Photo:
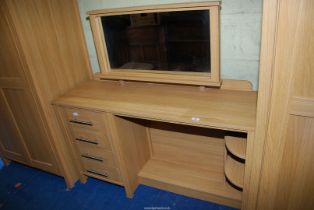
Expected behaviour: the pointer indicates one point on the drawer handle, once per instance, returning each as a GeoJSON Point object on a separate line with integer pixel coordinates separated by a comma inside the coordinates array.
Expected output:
{"type": "Point", "coordinates": [97, 173]}
{"type": "Point", "coordinates": [93, 158]}
{"type": "Point", "coordinates": [86, 140]}
{"type": "Point", "coordinates": [81, 122]}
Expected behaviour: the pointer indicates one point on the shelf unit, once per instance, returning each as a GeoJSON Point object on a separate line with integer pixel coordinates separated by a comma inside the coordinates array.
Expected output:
{"type": "Point", "coordinates": [236, 146]}
{"type": "Point", "coordinates": [234, 171]}
{"type": "Point", "coordinates": [189, 180]}
{"type": "Point", "coordinates": [234, 166]}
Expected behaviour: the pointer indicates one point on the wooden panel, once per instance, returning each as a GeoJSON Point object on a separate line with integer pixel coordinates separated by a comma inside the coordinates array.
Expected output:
{"type": "Point", "coordinates": [156, 8]}
{"type": "Point", "coordinates": [101, 169]}
{"type": "Point", "coordinates": [52, 41]}
{"type": "Point", "coordinates": [97, 138]}
{"type": "Point", "coordinates": [255, 149]}
{"type": "Point", "coordinates": [96, 153]}
{"type": "Point", "coordinates": [57, 46]}
{"type": "Point", "coordinates": [9, 58]}
{"type": "Point", "coordinates": [189, 180]}
{"type": "Point", "coordinates": [12, 145]}
{"type": "Point", "coordinates": [296, 184]}
{"type": "Point", "coordinates": [67, 148]}
{"type": "Point", "coordinates": [85, 119]}
{"type": "Point", "coordinates": [302, 106]}
{"type": "Point", "coordinates": [244, 85]}
{"type": "Point", "coordinates": [236, 146]}
{"type": "Point", "coordinates": [234, 171]}
{"type": "Point", "coordinates": [229, 110]}
{"type": "Point", "coordinates": [30, 125]}
{"type": "Point", "coordinates": [287, 176]}
{"type": "Point", "coordinates": [188, 145]}
{"type": "Point", "coordinates": [131, 143]}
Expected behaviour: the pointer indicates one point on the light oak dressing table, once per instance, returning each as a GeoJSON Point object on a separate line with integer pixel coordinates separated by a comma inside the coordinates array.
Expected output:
{"type": "Point", "coordinates": [182, 139]}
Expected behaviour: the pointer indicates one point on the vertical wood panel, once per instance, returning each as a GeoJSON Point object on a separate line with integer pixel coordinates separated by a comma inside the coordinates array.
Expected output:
{"type": "Point", "coordinates": [287, 176]}
{"type": "Point", "coordinates": [11, 143]}
{"type": "Point", "coordinates": [50, 40]}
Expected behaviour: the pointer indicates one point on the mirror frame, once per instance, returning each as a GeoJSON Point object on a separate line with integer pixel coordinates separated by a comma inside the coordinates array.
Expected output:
{"type": "Point", "coordinates": [176, 77]}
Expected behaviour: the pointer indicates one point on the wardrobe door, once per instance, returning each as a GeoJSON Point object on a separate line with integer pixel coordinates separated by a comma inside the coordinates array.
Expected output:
{"type": "Point", "coordinates": [11, 142]}
{"type": "Point", "coordinates": [22, 122]}
{"type": "Point", "coordinates": [287, 176]}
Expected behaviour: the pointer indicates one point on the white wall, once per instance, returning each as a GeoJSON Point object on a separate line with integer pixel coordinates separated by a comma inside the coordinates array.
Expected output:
{"type": "Point", "coordinates": [240, 33]}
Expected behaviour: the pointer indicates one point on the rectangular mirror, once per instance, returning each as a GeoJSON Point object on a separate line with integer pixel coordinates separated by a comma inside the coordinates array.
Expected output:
{"type": "Point", "coordinates": [164, 41]}
{"type": "Point", "coordinates": [171, 43]}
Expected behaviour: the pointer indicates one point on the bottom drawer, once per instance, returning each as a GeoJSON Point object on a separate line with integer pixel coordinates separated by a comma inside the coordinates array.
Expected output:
{"type": "Point", "coordinates": [100, 169]}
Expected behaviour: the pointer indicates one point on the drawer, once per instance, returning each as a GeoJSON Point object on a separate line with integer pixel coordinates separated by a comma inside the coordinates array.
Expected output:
{"type": "Point", "coordinates": [88, 137]}
{"type": "Point", "coordinates": [100, 169]}
{"type": "Point", "coordinates": [85, 118]}
{"type": "Point", "coordinates": [98, 154]}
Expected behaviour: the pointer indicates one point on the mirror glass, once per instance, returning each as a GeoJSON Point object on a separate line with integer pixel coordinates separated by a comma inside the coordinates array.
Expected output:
{"type": "Point", "coordinates": [166, 41]}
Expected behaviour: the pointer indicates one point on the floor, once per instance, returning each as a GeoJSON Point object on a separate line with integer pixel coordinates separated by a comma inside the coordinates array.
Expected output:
{"type": "Point", "coordinates": [22, 187]}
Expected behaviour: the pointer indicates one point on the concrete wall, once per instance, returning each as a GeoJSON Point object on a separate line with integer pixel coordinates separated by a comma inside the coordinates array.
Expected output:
{"type": "Point", "coordinates": [240, 33]}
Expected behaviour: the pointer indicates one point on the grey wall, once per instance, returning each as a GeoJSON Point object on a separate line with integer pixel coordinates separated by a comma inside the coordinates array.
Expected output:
{"type": "Point", "coordinates": [240, 33]}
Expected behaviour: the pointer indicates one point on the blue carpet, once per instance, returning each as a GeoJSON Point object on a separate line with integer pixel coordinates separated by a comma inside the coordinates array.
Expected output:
{"type": "Point", "coordinates": [44, 191]}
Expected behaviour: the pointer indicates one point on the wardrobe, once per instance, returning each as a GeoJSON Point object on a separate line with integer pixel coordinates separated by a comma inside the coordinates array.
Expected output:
{"type": "Point", "coordinates": [42, 55]}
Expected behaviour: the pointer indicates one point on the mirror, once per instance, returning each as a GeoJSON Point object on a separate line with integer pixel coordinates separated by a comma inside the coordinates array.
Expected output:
{"type": "Point", "coordinates": [162, 41]}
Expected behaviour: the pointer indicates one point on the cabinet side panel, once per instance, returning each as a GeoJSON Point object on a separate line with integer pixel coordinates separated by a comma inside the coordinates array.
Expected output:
{"type": "Point", "coordinates": [131, 143]}
{"type": "Point", "coordinates": [51, 40]}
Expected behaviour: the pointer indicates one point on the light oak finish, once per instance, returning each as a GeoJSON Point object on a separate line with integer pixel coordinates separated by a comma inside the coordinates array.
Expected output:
{"type": "Point", "coordinates": [256, 148]}
{"type": "Point", "coordinates": [154, 142]}
{"type": "Point", "coordinates": [302, 106]}
{"type": "Point", "coordinates": [287, 176]}
{"type": "Point", "coordinates": [231, 110]}
{"type": "Point", "coordinates": [189, 180]}
{"type": "Point", "coordinates": [89, 136]}
{"type": "Point", "coordinates": [130, 141]}
{"type": "Point", "coordinates": [200, 147]}
{"type": "Point", "coordinates": [12, 144]}
{"type": "Point", "coordinates": [43, 56]}
{"type": "Point", "coordinates": [85, 120]}
{"type": "Point", "coordinates": [206, 79]}
{"type": "Point", "coordinates": [234, 171]}
{"type": "Point", "coordinates": [155, 8]}
{"type": "Point", "coordinates": [93, 149]}
{"type": "Point", "coordinates": [244, 85]}
{"type": "Point", "coordinates": [23, 135]}
{"type": "Point", "coordinates": [101, 169]}
{"type": "Point", "coordinates": [236, 146]}
{"type": "Point", "coordinates": [88, 151]}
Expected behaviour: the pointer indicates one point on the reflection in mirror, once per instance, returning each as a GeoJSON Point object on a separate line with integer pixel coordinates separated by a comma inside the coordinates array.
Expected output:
{"type": "Point", "coordinates": [166, 41]}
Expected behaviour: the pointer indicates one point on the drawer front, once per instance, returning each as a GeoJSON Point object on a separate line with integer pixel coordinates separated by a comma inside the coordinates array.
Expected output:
{"type": "Point", "coordinates": [85, 118]}
{"type": "Point", "coordinates": [90, 137]}
{"type": "Point", "coordinates": [97, 154]}
{"type": "Point", "coordinates": [99, 168]}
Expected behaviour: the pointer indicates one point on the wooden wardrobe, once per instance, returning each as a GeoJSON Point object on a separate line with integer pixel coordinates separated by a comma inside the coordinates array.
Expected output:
{"type": "Point", "coordinates": [42, 55]}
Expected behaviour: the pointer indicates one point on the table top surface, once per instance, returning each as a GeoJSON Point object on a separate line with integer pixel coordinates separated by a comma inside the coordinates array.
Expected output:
{"type": "Point", "coordinates": [214, 108]}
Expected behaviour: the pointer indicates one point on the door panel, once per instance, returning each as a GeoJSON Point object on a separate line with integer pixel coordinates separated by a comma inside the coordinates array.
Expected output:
{"type": "Point", "coordinates": [10, 66]}
{"type": "Point", "coordinates": [23, 133]}
{"type": "Point", "coordinates": [29, 123]}
{"type": "Point", "coordinates": [295, 187]}
{"type": "Point", "coordinates": [287, 180]}
{"type": "Point", "coordinates": [11, 142]}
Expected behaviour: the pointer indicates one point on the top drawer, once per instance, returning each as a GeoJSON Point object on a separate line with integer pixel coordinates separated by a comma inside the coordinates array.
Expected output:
{"type": "Point", "coordinates": [85, 118]}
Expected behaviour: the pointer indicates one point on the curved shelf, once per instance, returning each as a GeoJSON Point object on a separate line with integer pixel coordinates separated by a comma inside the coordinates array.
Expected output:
{"type": "Point", "coordinates": [234, 171]}
{"type": "Point", "coordinates": [236, 146]}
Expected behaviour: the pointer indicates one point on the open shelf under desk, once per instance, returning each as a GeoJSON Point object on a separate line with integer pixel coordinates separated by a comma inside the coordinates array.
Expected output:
{"type": "Point", "coordinates": [190, 181]}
